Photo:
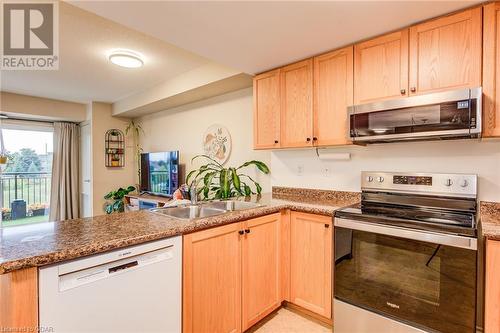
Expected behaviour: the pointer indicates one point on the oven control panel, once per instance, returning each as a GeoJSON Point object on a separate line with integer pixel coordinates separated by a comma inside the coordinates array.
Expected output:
{"type": "Point", "coordinates": [462, 185]}
{"type": "Point", "coordinates": [412, 180]}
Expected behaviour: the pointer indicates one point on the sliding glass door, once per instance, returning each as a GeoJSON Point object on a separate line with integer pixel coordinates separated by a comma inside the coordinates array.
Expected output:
{"type": "Point", "coordinates": [25, 182]}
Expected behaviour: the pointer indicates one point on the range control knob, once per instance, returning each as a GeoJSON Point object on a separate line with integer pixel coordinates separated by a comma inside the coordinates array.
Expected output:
{"type": "Point", "coordinates": [369, 179]}
{"type": "Point", "coordinates": [464, 183]}
{"type": "Point", "coordinates": [380, 179]}
{"type": "Point", "coordinates": [448, 182]}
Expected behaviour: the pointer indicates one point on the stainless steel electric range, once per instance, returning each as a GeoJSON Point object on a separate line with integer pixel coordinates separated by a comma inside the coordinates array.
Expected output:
{"type": "Point", "coordinates": [406, 256]}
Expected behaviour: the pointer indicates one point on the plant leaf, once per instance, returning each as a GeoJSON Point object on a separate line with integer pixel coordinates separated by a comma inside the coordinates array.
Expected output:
{"type": "Point", "coordinates": [236, 180]}
{"type": "Point", "coordinates": [108, 208]}
{"type": "Point", "coordinates": [208, 158]}
{"type": "Point", "coordinates": [248, 190]}
{"type": "Point", "coordinates": [207, 180]}
{"type": "Point", "coordinates": [259, 188]}
{"type": "Point", "coordinates": [260, 165]}
{"type": "Point", "coordinates": [189, 175]}
{"type": "Point", "coordinates": [224, 183]}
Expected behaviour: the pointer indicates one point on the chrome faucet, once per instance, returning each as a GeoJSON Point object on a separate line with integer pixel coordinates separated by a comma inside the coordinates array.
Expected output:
{"type": "Point", "coordinates": [193, 193]}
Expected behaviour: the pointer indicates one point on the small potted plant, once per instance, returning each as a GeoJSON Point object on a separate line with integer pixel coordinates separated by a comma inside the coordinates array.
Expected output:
{"type": "Point", "coordinates": [223, 183]}
{"type": "Point", "coordinates": [115, 161]}
{"type": "Point", "coordinates": [37, 209]}
{"type": "Point", "coordinates": [6, 213]}
{"type": "Point", "coordinates": [115, 200]}
{"type": "Point", "coordinates": [3, 158]}
{"type": "Point", "coordinates": [114, 135]}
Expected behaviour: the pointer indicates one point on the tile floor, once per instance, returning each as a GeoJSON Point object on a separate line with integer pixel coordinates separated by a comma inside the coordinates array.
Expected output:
{"type": "Point", "coordinates": [286, 321]}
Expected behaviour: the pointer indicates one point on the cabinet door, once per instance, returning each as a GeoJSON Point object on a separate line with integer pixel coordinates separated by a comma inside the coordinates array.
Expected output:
{"type": "Point", "coordinates": [212, 280]}
{"type": "Point", "coordinates": [261, 268]}
{"type": "Point", "coordinates": [296, 104]}
{"type": "Point", "coordinates": [333, 93]}
{"type": "Point", "coordinates": [446, 53]}
{"type": "Point", "coordinates": [492, 288]}
{"type": "Point", "coordinates": [311, 262]}
{"type": "Point", "coordinates": [266, 122]}
{"type": "Point", "coordinates": [491, 70]}
{"type": "Point", "coordinates": [19, 300]}
{"type": "Point", "coordinates": [381, 68]}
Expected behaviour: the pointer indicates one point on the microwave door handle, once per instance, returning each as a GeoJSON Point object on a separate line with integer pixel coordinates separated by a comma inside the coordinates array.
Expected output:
{"type": "Point", "coordinates": [429, 237]}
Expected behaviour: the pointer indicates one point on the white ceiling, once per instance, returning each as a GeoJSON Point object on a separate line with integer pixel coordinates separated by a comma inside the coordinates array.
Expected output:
{"type": "Point", "coordinates": [259, 35]}
{"type": "Point", "coordinates": [85, 74]}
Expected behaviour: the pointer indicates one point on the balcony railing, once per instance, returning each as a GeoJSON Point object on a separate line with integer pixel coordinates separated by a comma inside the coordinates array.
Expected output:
{"type": "Point", "coordinates": [32, 187]}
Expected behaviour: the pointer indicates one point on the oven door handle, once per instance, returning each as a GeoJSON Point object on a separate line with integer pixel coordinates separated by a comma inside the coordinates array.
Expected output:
{"type": "Point", "coordinates": [430, 237]}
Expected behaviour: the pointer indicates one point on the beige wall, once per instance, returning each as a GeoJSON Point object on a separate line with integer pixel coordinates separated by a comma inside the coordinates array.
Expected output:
{"type": "Point", "coordinates": [24, 106]}
{"type": "Point", "coordinates": [108, 179]}
{"type": "Point", "coordinates": [455, 156]}
{"type": "Point", "coordinates": [182, 129]}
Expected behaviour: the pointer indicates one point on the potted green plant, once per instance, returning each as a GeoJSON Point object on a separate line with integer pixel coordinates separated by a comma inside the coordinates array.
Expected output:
{"type": "Point", "coordinates": [222, 183]}
{"type": "Point", "coordinates": [6, 213]}
{"type": "Point", "coordinates": [115, 200]}
{"type": "Point", "coordinates": [114, 135]}
{"type": "Point", "coordinates": [136, 130]}
{"type": "Point", "coordinates": [37, 209]}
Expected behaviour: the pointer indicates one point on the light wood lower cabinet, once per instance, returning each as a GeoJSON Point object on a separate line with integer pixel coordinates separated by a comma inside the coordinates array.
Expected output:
{"type": "Point", "coordinates": [231, 275]}
{"type": "Point", "coordinates": [19, 300]}
{"type": "Point", "coordinates": [212, 280]}
{"type": "Point", "coordinates": [492, 289]}
{"type": "Point", "coordinates": [311, 262]}
{"type": "Point", "coordinates": [261, 293]}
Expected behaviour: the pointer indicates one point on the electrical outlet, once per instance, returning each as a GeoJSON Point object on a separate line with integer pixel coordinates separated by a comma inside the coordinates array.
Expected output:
{"type": "Point", "coordinates": [300, 170]}
{"type": "Point", "coordinates": [327, 171]}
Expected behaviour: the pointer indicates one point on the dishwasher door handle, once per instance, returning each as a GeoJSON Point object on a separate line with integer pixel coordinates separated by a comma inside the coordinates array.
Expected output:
{"type": "Point", "coordinates": [122, 267]}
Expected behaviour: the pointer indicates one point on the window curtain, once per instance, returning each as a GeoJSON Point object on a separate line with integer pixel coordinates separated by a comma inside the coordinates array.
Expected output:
{"type": "Point", "coordinates": [64, 197]}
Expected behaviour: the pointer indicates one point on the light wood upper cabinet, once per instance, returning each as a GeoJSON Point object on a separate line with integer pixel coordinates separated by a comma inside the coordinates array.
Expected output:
{"type": "Point", "coordinates": [266, 96]}
{"type": "Point", "coordinates": [212, 280]}
{"type": "Point", "coordinates": [311, 262]}
{"type": "Point", "coordinates": [333, 93]}
{"type": "Point", "coordinates": [261, 268]}
{"type": "Point", "coordinates": [296, 104]}
{"type": "Point", "coordinates": [381, 68]}
{"type": "Point", "coordinates": [492, 288]}
{"type": "Point", "coordinates": [491, 70]}
{"type": "Point", "coordinates": [445, 53]}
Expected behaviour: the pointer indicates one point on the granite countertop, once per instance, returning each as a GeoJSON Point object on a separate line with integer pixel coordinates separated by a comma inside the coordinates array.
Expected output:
{"type": "Point", "coordinates": [490, 219]}
{"type": "Point", "coordinates": [51, 242]}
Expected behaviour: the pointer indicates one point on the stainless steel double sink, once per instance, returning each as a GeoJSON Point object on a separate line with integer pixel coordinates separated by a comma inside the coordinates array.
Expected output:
{"type": "Point", "coordinates": [205, 209]}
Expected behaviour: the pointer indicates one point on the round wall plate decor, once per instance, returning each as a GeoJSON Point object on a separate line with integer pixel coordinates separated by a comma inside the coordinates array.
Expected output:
{"type": "Point", "coordinates": [217, 143]}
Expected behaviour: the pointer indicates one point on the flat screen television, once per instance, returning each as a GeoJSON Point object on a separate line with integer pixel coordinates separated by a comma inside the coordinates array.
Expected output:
{"type": "Point", "coordinates": [160, 173]}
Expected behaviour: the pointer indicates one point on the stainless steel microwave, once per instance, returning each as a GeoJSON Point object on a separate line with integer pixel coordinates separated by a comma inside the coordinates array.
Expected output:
{"type": "Point", "coordinates": [454, 114]}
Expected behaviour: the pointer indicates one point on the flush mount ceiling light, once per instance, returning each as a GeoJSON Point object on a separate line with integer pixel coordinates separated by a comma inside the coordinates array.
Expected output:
{"type": "Point", "coordinates": [126, 58]}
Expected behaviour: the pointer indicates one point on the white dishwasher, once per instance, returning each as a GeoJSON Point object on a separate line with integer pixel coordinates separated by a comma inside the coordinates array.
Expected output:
{"type": "Point", "coordinates": [135, 289]}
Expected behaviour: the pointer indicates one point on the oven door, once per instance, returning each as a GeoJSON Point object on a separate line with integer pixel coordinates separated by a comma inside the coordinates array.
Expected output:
{"type": "Point", "coordinates": [449, 114]}
{"type": "Point", "coordinates": [422, 279]}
